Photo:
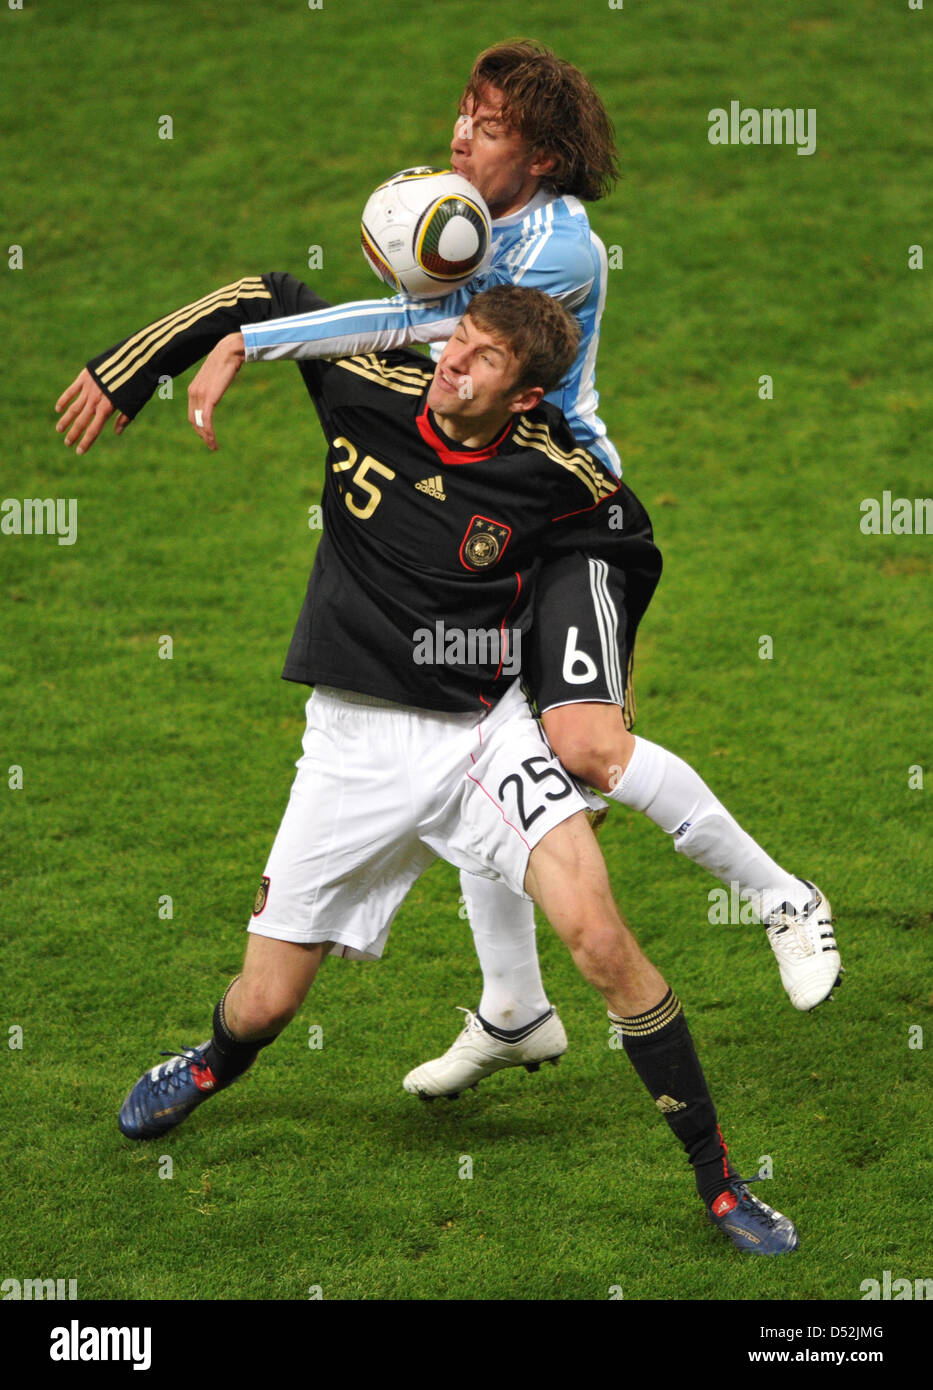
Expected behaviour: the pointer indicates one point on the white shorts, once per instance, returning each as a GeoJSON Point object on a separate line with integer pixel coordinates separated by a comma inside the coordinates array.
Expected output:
{"type": "Point", "coordinates": [382, 790]}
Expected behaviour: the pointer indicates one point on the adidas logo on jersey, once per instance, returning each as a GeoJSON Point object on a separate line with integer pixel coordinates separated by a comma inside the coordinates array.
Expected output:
{"type": "Point", "coordinates": [434, 487]}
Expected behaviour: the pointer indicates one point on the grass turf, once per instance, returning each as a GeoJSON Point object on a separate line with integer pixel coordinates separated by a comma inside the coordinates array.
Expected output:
{"type": "Point", "coordinates": [145, 777]}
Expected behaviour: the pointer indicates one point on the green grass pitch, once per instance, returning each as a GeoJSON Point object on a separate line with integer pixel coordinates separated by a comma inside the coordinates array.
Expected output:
{"type": "Point", "coordinates": [143, 777]}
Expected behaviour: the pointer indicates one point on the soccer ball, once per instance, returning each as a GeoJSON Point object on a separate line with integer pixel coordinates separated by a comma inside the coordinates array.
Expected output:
{"type": "Point", "coordinates": [426, 231]}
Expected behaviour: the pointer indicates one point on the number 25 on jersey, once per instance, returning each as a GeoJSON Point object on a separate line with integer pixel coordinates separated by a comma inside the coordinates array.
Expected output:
{"type": "Point", "coordinates": [360, 479]}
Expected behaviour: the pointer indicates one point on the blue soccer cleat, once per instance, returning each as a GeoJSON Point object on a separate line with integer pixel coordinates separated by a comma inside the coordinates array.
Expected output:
{"type": "Point", "coordinates": [167, 1094]}
{"type": "Point", "coordinates": [751, 1224]}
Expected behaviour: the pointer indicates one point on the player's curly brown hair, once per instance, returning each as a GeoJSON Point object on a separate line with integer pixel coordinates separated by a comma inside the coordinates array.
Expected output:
{"type": "Point", "coordinates": [555, 109]}
{"type": "Point", "coordinates": [537, 328]}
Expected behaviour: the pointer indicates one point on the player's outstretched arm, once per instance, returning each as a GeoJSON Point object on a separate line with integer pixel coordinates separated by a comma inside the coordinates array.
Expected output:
{"type": "Point", "coordinates": [217, 372]}
{"type": "Point", "coordinates": [559, 260]}
{"type": "Point", "coordinates": [87, 410]}
{"type": "Point", "coordinates": [357, 327]}
{"type": "Point", "coordinates": [123, 378]}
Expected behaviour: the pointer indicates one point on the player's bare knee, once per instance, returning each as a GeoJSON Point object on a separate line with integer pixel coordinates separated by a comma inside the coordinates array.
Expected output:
{"type": "Point", "coordinates": [275, 980]}
{"type": "Point", "coordinates": [263, 1007]}
{"type": "Point", "coordinates": [594, 747]}
{"type": "Point", "coordinates": [601, 956]}
{"type": "Point", "coordinates": [265, 1016]}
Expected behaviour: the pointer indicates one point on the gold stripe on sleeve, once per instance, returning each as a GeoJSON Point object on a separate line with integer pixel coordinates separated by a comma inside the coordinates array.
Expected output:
{"type": "Point", "coordinates": [132, 355]}
{"type": "Point", "coordinates": [409, 380]}
{"type": "Point", "coordinates": [577, 461]}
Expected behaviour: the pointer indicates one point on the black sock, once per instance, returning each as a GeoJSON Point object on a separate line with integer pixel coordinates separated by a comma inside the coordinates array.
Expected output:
{"type": "Point", "coordinates": [513, 1035]}
{"type": "Point", "coordinates": [661, 1050]}
{"type": "Point", "coordinates": [228, 1057]}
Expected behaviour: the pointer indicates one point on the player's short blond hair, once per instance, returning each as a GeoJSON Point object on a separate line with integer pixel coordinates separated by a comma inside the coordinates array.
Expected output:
{"type": "Point", "coordinates": [536, 328]}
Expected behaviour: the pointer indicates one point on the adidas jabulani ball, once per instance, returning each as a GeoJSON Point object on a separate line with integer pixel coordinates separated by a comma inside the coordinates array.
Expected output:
{"type": "Point", "coordinates": [426, 231]}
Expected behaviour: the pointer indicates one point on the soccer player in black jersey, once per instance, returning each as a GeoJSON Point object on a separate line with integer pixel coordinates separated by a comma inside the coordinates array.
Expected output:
{"type": "Point", "coordinates": [535, 140]}
{"type": "Point", "coordinates": [406, 760]}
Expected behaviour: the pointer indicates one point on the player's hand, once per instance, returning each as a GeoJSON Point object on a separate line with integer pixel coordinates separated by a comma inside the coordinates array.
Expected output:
{"type": "Point", "coordinates": [88, 411]}
{"type": "Point", "coordinates": [217, 372]}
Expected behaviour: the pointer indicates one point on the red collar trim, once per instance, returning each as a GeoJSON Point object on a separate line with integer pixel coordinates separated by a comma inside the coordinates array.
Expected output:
{"type": "Point", "coordinates": [447, 455]}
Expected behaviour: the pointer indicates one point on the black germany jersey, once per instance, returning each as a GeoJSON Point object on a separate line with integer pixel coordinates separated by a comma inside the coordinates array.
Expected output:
{"type": "Point", "coordinates": [422, 586]}
{"type": "Point", "coordinates": [427, 544]}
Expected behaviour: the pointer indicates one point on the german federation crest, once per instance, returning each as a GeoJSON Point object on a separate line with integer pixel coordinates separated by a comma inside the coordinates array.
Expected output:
{"type": "Point", "coordinates": [484, 543]}
{"type": "Point", "coordinates": [262, 894]}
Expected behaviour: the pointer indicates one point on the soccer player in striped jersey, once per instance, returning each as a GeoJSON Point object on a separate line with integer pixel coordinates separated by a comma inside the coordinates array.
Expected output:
{"type": "Point", "coordinates": [534, 139]}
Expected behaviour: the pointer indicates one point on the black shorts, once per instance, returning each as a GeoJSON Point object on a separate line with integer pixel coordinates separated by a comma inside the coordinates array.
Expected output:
{"type": "Point", "coordinates": [587, 611]}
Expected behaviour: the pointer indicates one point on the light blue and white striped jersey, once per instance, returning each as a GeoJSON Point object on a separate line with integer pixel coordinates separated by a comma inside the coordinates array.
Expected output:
{"type": "Point", "coordinates": [547, 245]}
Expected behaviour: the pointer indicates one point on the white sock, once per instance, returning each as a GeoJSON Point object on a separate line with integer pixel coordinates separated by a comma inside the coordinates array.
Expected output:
{"type": "Point", "coordinates": [504, 934]}
{"type": "Point", "coordinates": [678, 800]}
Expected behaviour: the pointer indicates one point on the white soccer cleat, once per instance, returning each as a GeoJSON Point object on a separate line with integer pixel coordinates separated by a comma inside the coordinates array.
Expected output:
{"type": "Point", "coordinates": [477, 1054]}
{"type": "Point", "coordinates": [805, 945]}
